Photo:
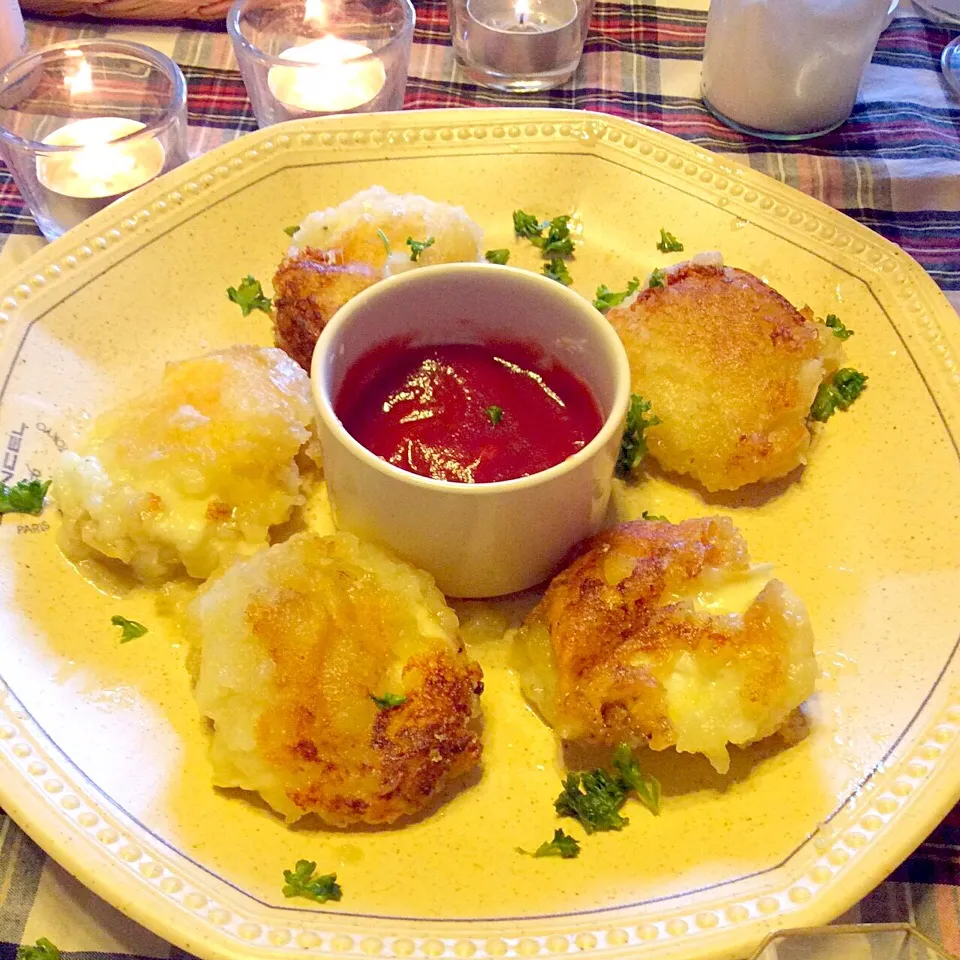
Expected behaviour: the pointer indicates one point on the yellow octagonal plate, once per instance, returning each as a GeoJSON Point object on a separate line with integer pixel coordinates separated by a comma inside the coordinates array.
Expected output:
{"type": "Point", "coordinates": [103, 753]}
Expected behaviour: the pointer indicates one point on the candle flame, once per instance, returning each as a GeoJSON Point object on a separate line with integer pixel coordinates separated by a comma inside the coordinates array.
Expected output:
{"type": "Point", "coordinates": [315, 13]}
{"type": "Point", "coordinates": [81, 80]}
{"type": "Point", "coordinates": [522, 10]}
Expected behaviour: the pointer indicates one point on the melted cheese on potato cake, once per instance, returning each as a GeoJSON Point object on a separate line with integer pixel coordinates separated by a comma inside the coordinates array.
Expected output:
{"type": "Point", "coordinates": [194, 472]}
{"type": "Point", "coordinates": [730, 368]}
{"type": "Point", "coordinates": [342, 250]}
{"type": "Point", "coordinates": [295, 643]}
{"type": "Point", "coordinates": [620, 648]}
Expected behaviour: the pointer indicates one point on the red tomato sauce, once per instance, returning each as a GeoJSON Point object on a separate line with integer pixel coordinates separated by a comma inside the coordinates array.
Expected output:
{"type": "Point", "coordinates": [467, 413]}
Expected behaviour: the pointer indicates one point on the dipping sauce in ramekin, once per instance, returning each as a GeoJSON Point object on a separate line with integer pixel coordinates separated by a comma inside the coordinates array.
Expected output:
{"type": "Point", "coordinates": [479, 539]}
{"type": "Point", "coordinates": [467, 412]}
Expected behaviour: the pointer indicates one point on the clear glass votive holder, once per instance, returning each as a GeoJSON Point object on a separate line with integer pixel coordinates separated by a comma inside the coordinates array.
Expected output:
{"type": "Point", "coordinates": [861, 941]}
{"type": "Point", "coordinates": [83, 123]}
{"type": "Point", "coordinates": [308, 58]}
{"type": "Point", "coordinates": [519, 46]}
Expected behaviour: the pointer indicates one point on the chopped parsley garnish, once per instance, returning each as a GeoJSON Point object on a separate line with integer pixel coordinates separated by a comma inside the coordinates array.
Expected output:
{"type": "Point", "coordinates": [389, 700]}
{"type": "Point", "coordinates": [633, 446]}
{"type": "Point", "coordinates": [418, 246]}
{"type": "Point", "coordinates": [557, 242]}
{"type": "Point", "coordinates": [290, 231]}
{"type": "Point", "coordinates": [645, 786]}
{"type": "Point", "coordinates": [557, 270]}
{"type": "Point", "coordinates": [561, 845]}
{"type": "Point", "coordinates": [498, 256]}
{"type": "Point", "coordinates": [526, 225]}
{"type": "Point", "coordinates": [595, 797]}
{"type": "Point", "coordinates": [25, 496]}
{"type": "Point", "coordinates": [668, 242]}
{"type": "Point", "coordinates": [653, 516]}
{"type": "Point", "coordinates": [130, 629]}
{"type": "Point", "coordinates": [553, 246]}
{"type": "Point", "coordinates": [494, 414]}
{"type": "Point", "coordinates": [249, 296]}
{"type": "Point", "coordinates": [44, 950]}
{"type": "Point", "coordinates": [657, 278]}
{"type": "Point", "coordinates": [301, 882]}
{"type": "Point", "coordinates": [384, 241]}
{"type": "Point", "coordinates": [840, 331]}
{"type": "Point", "coordinates": [607, 298]}
{"type": "Point", "coordinates": [847, 384]}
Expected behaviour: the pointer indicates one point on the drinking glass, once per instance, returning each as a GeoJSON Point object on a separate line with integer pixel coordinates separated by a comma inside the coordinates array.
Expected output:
{"type": "Point", "coordinates": [788, 69]}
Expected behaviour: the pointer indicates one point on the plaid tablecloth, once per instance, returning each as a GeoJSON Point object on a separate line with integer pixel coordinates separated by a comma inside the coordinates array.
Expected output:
{"type": "Point", "coordinates": [894, 166]}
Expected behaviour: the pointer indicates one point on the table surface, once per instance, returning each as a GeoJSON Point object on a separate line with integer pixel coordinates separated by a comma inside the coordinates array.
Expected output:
{"type": "Point", "coordinates": [894, 166]}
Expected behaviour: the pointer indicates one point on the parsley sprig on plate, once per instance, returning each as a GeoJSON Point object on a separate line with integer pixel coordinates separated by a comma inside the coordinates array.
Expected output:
{"type": "Point", "coordinates": [551, 237]}
{"type": "Point", "coordinates": [557, 270]}
{"type": "Point", "coordinates": [840, 331]}
{"type": "Point", "coordinates": [302, 881]}
{"type": "Point", "coordinates": [43, 950]}
{"type": "Point", "coordinates": [25, 496]}
{"type": "Point", "coordinates": [668, 243]}
{"type": "Point", "coordinates": [633, 444]}
{"type": "Point", "coordinates": [249, 295]}
{"type": "Point", "coordinates": [129, 629]}
{"type": "Point", "coordinates": [562, 845]}
{"type": "Point", "coordinates": [595, 797]}
{"type": "Point", "coordinates": [838, 393]}
{"type": "Point", "coordinates": [606, 298]}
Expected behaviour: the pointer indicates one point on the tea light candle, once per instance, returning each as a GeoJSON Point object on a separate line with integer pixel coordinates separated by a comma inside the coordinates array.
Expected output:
{"type": "Point", "coordinates": [339, 82]}
{"type": "Point", "coordinates": [522, 36]}
{"type": "Point", "coordinates": [102, 168]}
{"type": "Point", "coordinates": [86, 121]}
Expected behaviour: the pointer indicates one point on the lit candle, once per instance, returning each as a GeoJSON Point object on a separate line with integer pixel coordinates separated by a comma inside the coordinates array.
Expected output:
{"type": "Point", "coordinates": [342, 79]}
{"type": "Point", "coordinates": [517, 37]}
{"type": "Point", "coordinates": [103, 168]}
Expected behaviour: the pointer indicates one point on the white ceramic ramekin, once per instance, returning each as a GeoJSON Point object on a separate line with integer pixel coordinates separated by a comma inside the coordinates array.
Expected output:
{"type": "Point", "coordinates": [484, 539]}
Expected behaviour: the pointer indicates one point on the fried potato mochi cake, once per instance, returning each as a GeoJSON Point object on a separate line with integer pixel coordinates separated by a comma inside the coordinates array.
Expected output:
{"type": "Point", "coordinates": [730, 368]}
{"type": "Point", "coordinates": [635, 642]}
{"type": "Point", "coordinates": [340, 251]}
{"type": "Point", "coordinates": [193, 472]}
{"type": "Point", "coordinates": [295, 644]}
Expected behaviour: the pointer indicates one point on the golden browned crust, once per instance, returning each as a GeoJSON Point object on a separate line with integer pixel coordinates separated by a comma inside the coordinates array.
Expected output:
{"type": "Point", "coordinates": [309, 288]}
{"type": "Point", "coordinates": [330, 648]}
{"type": "Point", "coordinates": [413, 751]}
{"type": "Point", "coordinates": [731, 369]}
{"type": "Point", "coordinates": [620, 616]}
{"type": "Point", "coordinates": [598, 628]}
